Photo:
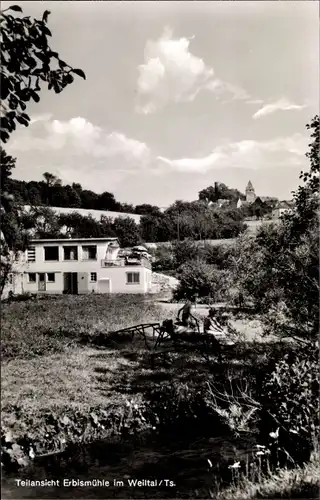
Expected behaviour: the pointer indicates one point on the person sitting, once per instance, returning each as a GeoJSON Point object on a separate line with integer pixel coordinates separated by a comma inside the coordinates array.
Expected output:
{"type": "Point", "coordinates": [187, 319]}
{"type": "Point", "coordinates": [211, 324]}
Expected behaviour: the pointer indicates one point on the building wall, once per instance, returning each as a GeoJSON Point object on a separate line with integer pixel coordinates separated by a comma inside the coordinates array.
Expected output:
{"type": "Point", "coordinates": [108, 279]}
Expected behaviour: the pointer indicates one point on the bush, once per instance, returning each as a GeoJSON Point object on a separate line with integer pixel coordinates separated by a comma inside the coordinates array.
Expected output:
{"type": "Point", "coordinates": [204, 280]}
{"type": "Point", "coordinates": [290, 397]}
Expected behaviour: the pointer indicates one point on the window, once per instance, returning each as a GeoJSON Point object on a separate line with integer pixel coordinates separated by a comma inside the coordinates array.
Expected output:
{"type": "Point", "coordinates": [70, 253]}
{"type": "Point", "coordinates": [31, 254]}
{"type": "Point", "coordinates": [51, 277]}
{"type": "Point", "coordinates": [93, 277]}
{"type": "Point", "coordinates": [89, 252]}
{"type": "Point", "coordinates": [10, 279]}
{"type": "Point", "coordinates": [32, 277]}
{"type": "Point", "coordinates": [133, 278]}
{"type": "Point", "coordinates": [51, 253]}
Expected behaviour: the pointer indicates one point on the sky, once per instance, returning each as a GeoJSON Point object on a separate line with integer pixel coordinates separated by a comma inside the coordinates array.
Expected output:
{"type": "Point", "coordinates": [177, 96]}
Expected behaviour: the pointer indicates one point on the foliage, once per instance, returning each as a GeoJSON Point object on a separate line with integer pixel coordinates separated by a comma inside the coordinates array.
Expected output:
{"type": "Point", "coordinates": [63, 428]}
{"type": "Point", "coordinates": [220, 191]}
{"type": "Point", "coordinates": [184, 251]}
{"type": "Point", "coordinates": [290, 395]}
{"type": "Point", "coordinates": [127, 231]}
{"type": "Point", "coordinates": [279, 269]}
{"type": "Point", "coordinates": [26, 61]}
{"type": "Point", "coordinates": [204, 280]}
{"type": "Point", "coordinates": [14, 237]}
{"type": "Point", "coordinates": [163, 259]}
{"type": "Point", "coordinates": [146, 209]}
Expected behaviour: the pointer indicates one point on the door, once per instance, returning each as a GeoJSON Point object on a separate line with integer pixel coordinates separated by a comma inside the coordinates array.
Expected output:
{"type": "Point", "coordinates": [104, 286]}
{"type": "Point", "coordinates": [83, 283]}
{"type": "Point", "coordinates": [42, 282]}
{"type": "Point", "coordinates": [70, 283]}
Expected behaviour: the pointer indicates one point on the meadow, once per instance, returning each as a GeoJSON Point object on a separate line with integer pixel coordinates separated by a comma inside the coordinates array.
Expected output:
{"type": "Point", "coordinates": [60, 388]}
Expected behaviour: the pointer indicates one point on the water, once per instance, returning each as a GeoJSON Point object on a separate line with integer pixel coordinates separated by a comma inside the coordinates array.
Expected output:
{"type": "Point", "coordinates": [181, 464]}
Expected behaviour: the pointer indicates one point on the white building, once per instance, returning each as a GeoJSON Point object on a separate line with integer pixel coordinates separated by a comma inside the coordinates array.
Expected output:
{"type": "Point", "coordinates": [79, 266]}
{"type": "Point", "coordinates": [283, 207]}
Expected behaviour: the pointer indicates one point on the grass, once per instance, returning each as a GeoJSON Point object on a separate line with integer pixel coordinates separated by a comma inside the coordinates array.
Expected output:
{"type": "Point", "coordinates": [46, 366]}
{"type": "Point", "coordinates": [50, 326]}
{"type": "Point", "coordinates": [300, 482]}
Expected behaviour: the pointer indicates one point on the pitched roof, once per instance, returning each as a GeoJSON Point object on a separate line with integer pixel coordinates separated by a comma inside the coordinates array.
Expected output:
{"type": "Point", "coordinates": [285, 204]}
{"type": "Point", "coordinates": [249, 185]}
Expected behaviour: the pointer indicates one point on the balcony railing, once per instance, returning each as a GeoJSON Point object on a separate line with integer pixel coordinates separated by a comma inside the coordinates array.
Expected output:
{"type": "Point", "coordinates": [126, 262]}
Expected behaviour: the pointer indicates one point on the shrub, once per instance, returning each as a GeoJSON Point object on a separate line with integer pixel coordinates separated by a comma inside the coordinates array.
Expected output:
{"type": "Point", "coordinates": [290, 396]}
{"type": "Point", "coordinates": [204, 280]}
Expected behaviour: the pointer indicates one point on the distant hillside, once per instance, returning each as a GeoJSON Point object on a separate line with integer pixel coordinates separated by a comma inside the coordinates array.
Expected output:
{"type": "Point", "coordinates": [95, 214]}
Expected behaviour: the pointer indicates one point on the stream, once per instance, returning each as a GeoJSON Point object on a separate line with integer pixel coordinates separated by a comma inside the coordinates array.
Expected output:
{"type": "Point", "coordinates": [175, 467]}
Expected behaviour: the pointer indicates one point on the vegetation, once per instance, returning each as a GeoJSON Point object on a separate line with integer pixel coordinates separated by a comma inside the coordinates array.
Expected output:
{"type": "Point", "coordinates": [27, 60]}
{"type": "Point", "coordinates": [266, 388]}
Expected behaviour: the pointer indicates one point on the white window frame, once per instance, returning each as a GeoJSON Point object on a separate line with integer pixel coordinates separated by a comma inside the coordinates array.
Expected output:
{"type": "Point", "coordinates": [133, 282]}
{"type": "Point", "coordinates": [95, 279]}
{"type": "Point", "coordinates": [51, 281]}
{"type": "Point", "coordinates": [32, 281]}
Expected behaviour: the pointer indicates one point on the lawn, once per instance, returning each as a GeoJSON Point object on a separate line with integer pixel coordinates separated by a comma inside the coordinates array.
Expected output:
{"type": "Point", "coordinates": [48, 368]}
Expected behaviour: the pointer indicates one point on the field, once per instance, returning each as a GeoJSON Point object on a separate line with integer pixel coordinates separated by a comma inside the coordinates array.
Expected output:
{"type": "Point", "coordinates": [59, 387]}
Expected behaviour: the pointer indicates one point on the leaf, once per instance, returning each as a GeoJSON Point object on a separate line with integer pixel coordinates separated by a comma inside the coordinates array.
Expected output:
{"type": "Point", "coordinates": [79, 72]}
{"type": "Point", "coordinates": [15, 8]}
{"type": "Point", "coordinates": [62, 64]}
{"type": "Point", "coordinates": [35, 96]}
{"type": "Point", "coordinates": [45, 16]}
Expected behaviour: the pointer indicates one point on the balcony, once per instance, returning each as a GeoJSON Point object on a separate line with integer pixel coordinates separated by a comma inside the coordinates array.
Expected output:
{"type": "Point", "coordinates": [125, 262]}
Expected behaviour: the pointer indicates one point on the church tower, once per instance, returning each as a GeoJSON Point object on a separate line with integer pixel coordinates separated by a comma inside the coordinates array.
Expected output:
{"type": "Point", "coordinates": [250, 194]}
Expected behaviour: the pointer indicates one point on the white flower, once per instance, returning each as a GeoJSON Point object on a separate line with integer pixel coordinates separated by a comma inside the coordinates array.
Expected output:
{"type": "Point", "coordinates": [259, 453]}
{"type": "Point", "coordinates": [274, 435]}
{"type": "Point", "coordinates": [236, 465]}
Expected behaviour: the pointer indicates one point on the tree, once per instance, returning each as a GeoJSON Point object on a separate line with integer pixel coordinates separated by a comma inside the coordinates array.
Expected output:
{"type": "Point", "coordinates": [279, 269]}
{"type": "Point", "coordinates": [163, 259]}
{"type": "Point", "coordinates": [126, 231]}
{"type": "Point", "coordinates": [41, 222]}
{"type": "Point", "coordinates": [27, 60]}
{"type": "Point", "coordinates": [146, 209]}
{"type": "Point", "coordinates": [204, 280]}
{"type": "Point", "coordinates": [184, 251]}
{"type": "Point", "coordinates": [7, 163]}
{"type": "Point", "coordinates": [13, 236]}
{"type": "Point", "coordinates": [150, 228]}
{"type": "Point", "coordinates": [106, 201]}
{"type": "Point", "coordinates": [220, 190]}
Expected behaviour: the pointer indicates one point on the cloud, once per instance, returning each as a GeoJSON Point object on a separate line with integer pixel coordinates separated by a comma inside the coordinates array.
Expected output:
{"type": "Point", "coordinates": [194, 164]}
{"type": "Point", "coordinates": [280, 105]}
{"type": "Point", "coordinates": [78, 136]}
{"type": "Point", "coordinates": [245, 154]}
{"type": "Point", "coordinates": [170, 73]}
{"type": "Point", "coordinates": [227, 90]}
